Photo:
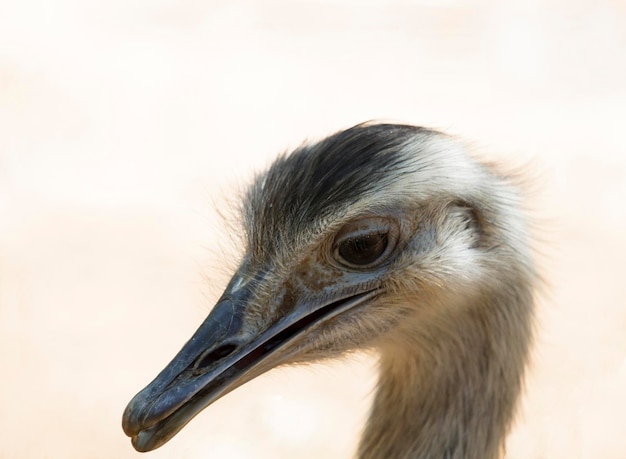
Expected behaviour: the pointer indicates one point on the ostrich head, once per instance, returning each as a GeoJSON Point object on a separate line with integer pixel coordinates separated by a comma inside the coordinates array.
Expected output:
{"type": "Point", "coordinates": [389, 237]}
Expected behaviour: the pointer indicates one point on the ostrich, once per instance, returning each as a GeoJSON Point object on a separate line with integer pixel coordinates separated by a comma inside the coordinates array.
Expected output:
{"type": "Point", "coordinates": [387, 237]}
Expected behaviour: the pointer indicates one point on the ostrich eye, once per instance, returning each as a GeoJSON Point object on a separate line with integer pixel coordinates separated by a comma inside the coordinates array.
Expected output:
{"type": "Point", "coordinates": [363, 250]}
{"type": "Point", "coordinates": [365, 243]}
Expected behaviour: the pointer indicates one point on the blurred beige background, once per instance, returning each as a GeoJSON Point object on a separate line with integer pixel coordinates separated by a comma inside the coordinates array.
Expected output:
{"type": "Point", "coordinates": [124, 124]}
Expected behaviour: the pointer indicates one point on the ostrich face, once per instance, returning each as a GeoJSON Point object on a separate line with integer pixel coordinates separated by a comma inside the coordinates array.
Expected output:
{"type": "Point", "coordinates": [346, 240]}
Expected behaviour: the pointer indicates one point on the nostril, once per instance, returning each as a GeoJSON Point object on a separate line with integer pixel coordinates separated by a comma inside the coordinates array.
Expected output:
{"type": "Point", "coordinates": [209, 357]}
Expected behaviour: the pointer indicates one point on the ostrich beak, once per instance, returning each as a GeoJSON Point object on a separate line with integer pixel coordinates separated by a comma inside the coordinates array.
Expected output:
{"type": "Point", "coordinates": [221, 356]}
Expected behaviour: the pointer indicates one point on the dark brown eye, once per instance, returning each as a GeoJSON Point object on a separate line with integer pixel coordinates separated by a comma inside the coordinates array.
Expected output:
{"type": "Point", "coordinates": [363, 250]}
{"type": "Point", "coordinates": [365, 242]}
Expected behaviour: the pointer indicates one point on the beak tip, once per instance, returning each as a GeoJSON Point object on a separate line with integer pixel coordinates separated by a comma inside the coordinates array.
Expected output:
{"type": "Point", "coordinates": [139, 446]}
{"type": "Point", "coordinates": [131, 422]}
{"type": "Point", "coordinates": [149, 440]}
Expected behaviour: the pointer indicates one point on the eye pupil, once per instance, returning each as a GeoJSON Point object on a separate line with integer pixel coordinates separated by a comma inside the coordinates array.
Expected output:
{"type": "Point", "coordinates": [363, 249]}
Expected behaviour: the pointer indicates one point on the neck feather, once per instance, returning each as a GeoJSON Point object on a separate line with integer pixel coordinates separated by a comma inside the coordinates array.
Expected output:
{"type": "Point", "coordinates": [448, 387]}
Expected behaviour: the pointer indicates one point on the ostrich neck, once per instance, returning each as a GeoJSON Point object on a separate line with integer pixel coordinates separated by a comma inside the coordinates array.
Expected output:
{"type": "Point", "coordinates": [448, 389]}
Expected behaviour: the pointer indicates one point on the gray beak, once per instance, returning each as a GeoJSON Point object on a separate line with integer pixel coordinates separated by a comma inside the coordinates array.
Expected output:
{"type": "Point", "coordinates": [220, 357]}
